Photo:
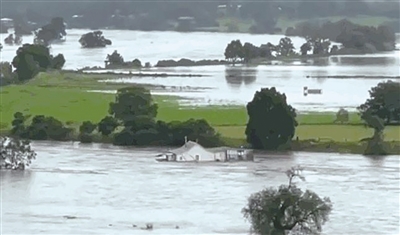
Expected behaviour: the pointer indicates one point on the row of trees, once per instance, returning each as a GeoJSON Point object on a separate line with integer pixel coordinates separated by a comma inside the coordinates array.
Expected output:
{"type": "Point", "coordinates": [134, 113]}
{"type": "Point", "coordinates": [235, 51]}
{"type": "Point", "coordinates": [272, 121]}
{"type": "Point", "coordinates": [350, 35]}
{"type": "Point", "coordinates": [155, 15]}
{"type": "Point", "coordinates": [131, 121]}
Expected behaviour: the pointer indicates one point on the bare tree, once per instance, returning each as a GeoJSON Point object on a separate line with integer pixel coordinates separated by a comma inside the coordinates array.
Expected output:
{"type": "Point", "coordinates": [15, 154]}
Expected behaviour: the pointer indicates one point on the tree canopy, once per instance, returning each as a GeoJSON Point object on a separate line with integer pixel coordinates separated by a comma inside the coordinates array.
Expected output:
{"type": "Point", "coordinates": [384, 102]}
{"type": "Point", "coordinates": [278, 211]}
{"type": "Point", "coordinates": [272, 121]}
{"type": "Point", "coordinates": [31, 59]}
{"type": "Point", "coordinates": [94, 39]}
{"type": "Point", "coordinates": [53, 31]}
{"type": "Point", "coordinates": [15, 154]}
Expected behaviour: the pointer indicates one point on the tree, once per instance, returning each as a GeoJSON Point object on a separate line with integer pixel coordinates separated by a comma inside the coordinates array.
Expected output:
{"type": "Point", "coordinates": [342, 116]}
{"type": "Point", "coordinates": [115, 58]}
{"type": "Point", "coordinates": [234, 51]}
{"type": "Point", "coordinates": [85, 132]}
{"type": "Point", "coordinates": [334, 49]}
{"type": "Point", "coordinates": [320, 46]}
{"type": "Point", "coordinates": [384, 102]}
{"type": "Point", "coordinates": [6, 74]}
{"type": "Point", "coordinates": [134, 107]}
{"type": "Point", "coordinates": [15, 154]}
{"type": "Point", "coordinates": [18, 125]}
{"type": "Point", "coordinates": [31, 59]}
{"type": "Point", "coordinates": [55, 30]}
{"type": "Point", "coordinates": [305, 48]}
{"type": "Point", "coordinates": [193, 129]}
{"type": "Point", "coordinates": [47, 128]}
{"type": "Point", "coordinates": [285, 47]}
{"type": "Point", "coordinates": [94, 39]}
{"type": "Point", "coordinates": [272, 121]}
{"type": "Point", "coordinates": [278, 211]}
{"type": "Point", "coordinates": [250, 52]}
{"type": "Point", "coordinates": [375, 143]}
{"type": "Point", "coordinates": [107, 125]}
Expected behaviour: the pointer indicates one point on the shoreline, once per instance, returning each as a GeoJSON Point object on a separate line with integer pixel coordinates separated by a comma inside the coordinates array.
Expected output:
{"type": "Point", "coordinates": [184, 62]}
{"type": "Point", "coordinates": [309, 145]}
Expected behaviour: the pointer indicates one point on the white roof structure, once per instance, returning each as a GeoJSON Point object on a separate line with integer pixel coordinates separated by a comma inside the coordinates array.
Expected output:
{"type": "Point", "coordinates": [186, 147]}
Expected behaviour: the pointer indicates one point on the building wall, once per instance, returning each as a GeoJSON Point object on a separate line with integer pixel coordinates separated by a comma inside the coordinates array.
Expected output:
{"type": "Point", "coordinates": [203, 155]}
{"type": "Point", "coordinates": [221, 156]}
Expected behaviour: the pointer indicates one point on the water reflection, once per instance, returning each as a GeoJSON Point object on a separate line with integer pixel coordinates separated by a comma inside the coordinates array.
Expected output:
{"type": "Point", "coordinates": [235, 76]}
{"type": "Point", "coordinates": [363, 61]}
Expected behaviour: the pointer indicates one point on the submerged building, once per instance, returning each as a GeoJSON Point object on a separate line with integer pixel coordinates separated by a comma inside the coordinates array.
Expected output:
{"type": "Point", "coordinates": [194, 152]}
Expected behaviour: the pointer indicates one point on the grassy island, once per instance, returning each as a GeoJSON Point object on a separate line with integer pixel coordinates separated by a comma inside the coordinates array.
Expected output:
{"type": "Point", "coordinates": [65, 96]}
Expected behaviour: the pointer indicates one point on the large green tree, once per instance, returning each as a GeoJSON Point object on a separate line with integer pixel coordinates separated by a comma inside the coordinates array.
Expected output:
{"type": "Point", "coordinates": [32, 59]}
{"type": "Point", "coordinates": [384, 102]}
{"type": "Point", "coordinates": [278, 211]}
{"type": "Point", "coordinates": [272, 121]}
{"type": "Point", "coordinates": [285, 47]}
{"type": "Point", "coordinates": [234, 51]}
{"type": "Point", "coordinates": [135, 108]}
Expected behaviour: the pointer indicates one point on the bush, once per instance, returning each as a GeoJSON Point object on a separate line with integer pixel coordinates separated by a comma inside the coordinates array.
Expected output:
{"type": "Point", "coordinates": [85, 138]}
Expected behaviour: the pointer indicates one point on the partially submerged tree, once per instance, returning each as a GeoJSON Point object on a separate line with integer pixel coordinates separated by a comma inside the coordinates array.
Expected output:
{"type": "Point", "coordinates": [54, 31]}
{"type": "Point", "coordinates": [15, 154]}
{"type": "Point", "coordinates": [305, 48]}
{"type": "Point", "coordinates": [234, 51]}
{"type": "Point", "coordinates": [278, 211]}
{"type": "Point", "coordinates": [94, 39]}
{"type": "Point", "coordinates": [115, 59]}
{"type": "Point", "coordinates": [272, 121]}
{"type": "Point", "coordinates": [250, 52]}
{"type": "Point", "coordinates": [285, 47]}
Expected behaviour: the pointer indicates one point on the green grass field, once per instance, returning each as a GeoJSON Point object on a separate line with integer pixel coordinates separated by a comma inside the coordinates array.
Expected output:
{"type": "Point", "coordinates": [337, 133]}
{"type": "Point", "coordinates": [65, 97]}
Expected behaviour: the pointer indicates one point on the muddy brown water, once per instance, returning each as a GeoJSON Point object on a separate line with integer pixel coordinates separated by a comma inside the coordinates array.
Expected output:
{"type": "Point", "coordinates": [102, 189]}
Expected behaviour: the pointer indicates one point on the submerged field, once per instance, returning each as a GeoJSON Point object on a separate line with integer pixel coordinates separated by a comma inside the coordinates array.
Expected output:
{"type": "Point", "coordinates": [65, 97]}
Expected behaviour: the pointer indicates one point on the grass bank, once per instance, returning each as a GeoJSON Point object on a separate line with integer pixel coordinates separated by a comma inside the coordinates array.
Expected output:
{"type": "Point", "coordinates": [65, 97]}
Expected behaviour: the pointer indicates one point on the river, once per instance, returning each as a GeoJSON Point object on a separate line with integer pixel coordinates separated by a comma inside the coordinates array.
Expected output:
{"type": "Point", "coordinates": [109, 189]}
{"type": "Point", "coordinates": [228, 85]}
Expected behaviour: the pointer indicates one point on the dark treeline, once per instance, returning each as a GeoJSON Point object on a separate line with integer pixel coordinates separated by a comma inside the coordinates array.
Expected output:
{"type": "Point", "coordinates": [153, 15]}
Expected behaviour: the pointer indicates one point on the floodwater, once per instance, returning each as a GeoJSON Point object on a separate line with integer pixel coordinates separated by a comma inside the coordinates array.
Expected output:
{"type": "Point", "coordinates": [107, 190]}
{"type": "Point", "coordinates": [226, 85]}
